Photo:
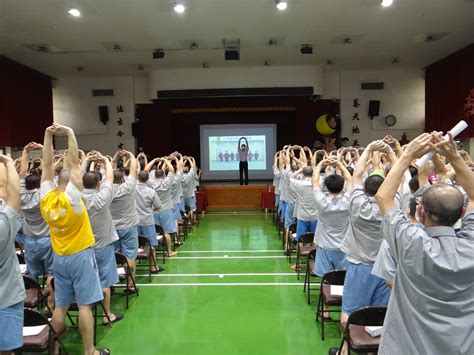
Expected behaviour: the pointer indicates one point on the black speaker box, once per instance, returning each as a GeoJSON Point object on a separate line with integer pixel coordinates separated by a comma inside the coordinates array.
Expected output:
{"type": "Point", "coordinates": [103, 114]}
{"type": "Point", "coordinates": [374, 108]}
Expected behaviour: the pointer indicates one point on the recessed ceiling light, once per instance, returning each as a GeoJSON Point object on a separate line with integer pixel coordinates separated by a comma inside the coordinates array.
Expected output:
{"type": "Point", "coordinates": [74, 12]}
{"type": "Point", "coordinates": [281, 4]}
{"type": "Point", "coordinates": [386, 3]}
{"type": "Point", "coordinates": [179, 8]}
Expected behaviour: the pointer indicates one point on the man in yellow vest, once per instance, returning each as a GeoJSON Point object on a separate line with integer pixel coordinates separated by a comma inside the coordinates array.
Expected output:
{"type": "Point", "coordinates": [74, 266]}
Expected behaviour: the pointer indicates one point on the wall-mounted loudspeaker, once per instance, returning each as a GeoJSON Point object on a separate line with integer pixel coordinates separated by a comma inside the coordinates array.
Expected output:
{"type": "Point", "coordinates": [103, 114]}
{"type": "Point", "coordinates": [374, 108]}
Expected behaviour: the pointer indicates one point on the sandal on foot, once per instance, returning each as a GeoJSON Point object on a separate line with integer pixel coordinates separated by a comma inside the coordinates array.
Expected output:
{"type": "Point", "coordinates": [104, 351]}
{"type": "Point", "coordinates": [118, 317]}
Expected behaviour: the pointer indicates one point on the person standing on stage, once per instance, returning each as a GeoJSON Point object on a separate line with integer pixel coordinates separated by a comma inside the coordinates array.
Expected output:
{"type": "Point", "coordinates": [243, 165]}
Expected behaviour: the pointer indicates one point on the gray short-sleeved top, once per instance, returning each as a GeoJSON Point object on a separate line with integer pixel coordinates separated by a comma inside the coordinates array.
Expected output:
{"type": "Point", "coordinates": [333, 219]}
{"type": "Point", "coordinates": [34, 224]}
{"type": "Point", "coordinates": [188, 184]}
{"type": "Point", "coordinates": [12, 289]}
{"type": "Point", "coordinates": [98, 208]}
{"type": "Point", "coordinates": [432, 301]}
{"type": "Point", "coordinates": [362, 241]}
{"type": "Point", "coordinates": [163, 189]}
{"type": "Point", "coordinates": [147, 201]}
{"type": "Point", "coordinates": [305, 207]}
{"type": "Point", "coordinates": [123, 210]}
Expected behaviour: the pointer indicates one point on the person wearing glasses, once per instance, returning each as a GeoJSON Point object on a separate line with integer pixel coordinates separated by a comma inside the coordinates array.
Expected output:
{"type": "Point", "coordinates": [432, 304]}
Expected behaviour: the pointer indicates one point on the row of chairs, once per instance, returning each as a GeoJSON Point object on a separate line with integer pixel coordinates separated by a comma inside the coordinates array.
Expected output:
{"type": "Point", "coordinates": [353, 332]}
{"type": "Point", "coordinates": [37, 295]}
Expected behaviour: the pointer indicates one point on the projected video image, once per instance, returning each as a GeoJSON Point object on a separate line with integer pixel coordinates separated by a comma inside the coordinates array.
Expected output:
{"type": "Point", "coordinates": [224, 155]}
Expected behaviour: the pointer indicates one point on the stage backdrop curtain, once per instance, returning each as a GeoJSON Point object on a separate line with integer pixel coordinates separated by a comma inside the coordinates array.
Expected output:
{"type": "Point", "coordinates": [26, 104]}
{"type": "Point", "coordinates": [163, 129]}
{"type": "Point", "coordinates": [448, 84]}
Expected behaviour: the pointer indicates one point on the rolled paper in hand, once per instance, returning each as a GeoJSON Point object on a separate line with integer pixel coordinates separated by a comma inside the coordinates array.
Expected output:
{"type": "Point", "coordinates": [461, 126]}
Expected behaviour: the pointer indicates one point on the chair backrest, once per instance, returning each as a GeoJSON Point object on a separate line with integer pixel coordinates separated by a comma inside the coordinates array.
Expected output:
{"type": "Point", "coordinates": [371, 316]}
{"type": "Point", "coordinates": [33, 318]}
{"type": "Point", "coordinates": [31, 283]}
{"type": "Point", "coordinates": [306, 238]}
{"type": "Point", "coordinates": [21, 258]}
{"type": "Point", "coordinates": [159, 230]}
{"type": "Point", "coordinates": [19, 247]}
{"type": "Point", "coordinates": [143, 242]}
{"type": "Point", "coordinates": [335, 277]}
{"type": "Point", "coordinates": [312, 255]}
{"type": "Point", "coordinates": [120, 259]}
{"type": "Point", "coordinates": [293, 228]}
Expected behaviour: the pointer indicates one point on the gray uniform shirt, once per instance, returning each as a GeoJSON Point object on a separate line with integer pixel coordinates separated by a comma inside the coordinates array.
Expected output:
{"type": "Point", "coordinates": [123, 210]}
{"type": "Point", "coordinates": [276, 180]}
{"type": "Point", "coordinates": [147, 201]}
{"type": "Point", "coordinates": [333, 219]}
{"type": "Point", "coordinates": [98, 208]}
{"type": "Point", "coordinates": [305, 207]}
{"type": "Point", "coordinates": [33, 222]}
{"type": "Point", "coordinates": [431, 307]}
{"type": "Point", "coordinates": [163, 189]}
{"type": "Point", "coordinates": [283, 185]}
{"type": "Point", "coordinates": [12, 289]}
{"type": "Point", "coordinates": [188, 184]}
{"type": "Point", "coordinates": [290, 192]}
{"type": "Point", "coordinates": [176, 190]}
{"type": "Point", "coordinates": [363, 237]}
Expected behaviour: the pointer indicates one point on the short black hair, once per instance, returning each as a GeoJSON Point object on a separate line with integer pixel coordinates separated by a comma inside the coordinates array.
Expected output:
{"type": "Point", "coordinates": [443, 203]}
{"type": "Point", "coordinates": [414, 184]}
{"type": "Point", "coordinates": [159, 173]}
{"type": "Point", "coordinates": [334, 183]}
{"type": "Point", "coordinates": [33, 181]}
{"type": "Point", "coordinates": [91, 180]}
{"type": "Point", "coordinates": [372, 184]}
{"type": "Point", "coordinates": [412, 206]}
{"type": "Point", "coordinates": [413, 170]}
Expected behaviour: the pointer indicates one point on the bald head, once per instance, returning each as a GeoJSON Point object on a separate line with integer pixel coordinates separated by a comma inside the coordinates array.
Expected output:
{"type": "Point", "coordinates": [443, 203]}
{"type": "Point", "coordinates": [118, 176]}
{"type": "Point", "coordinates": [143, 176]}
{"type": "Point", "coordinates": [307, 171]}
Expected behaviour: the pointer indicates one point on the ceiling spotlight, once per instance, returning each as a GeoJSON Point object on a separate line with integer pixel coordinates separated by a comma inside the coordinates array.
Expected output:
{"type": "Point", "coordinates": [330, 62]}
{"type": "Point", "coordinates": [347, 40]}
{"type": "Point", "coordinates": [179, 8]}
{"type": "Point", "coordinates": [140, 67]}
{"type": "Point", "coordinates": [395, 60]}
{"type": "Point", "coordinates": [74, 12]}
{"type": "Point", "coordinates": [205, 65]}
{"type": "Point", "coordinates": [281, 4]}
{"type": "Point", "coordinates": [306, 49]}
{"type": "Point", "coordinates": [267, 64]}
{"type": "Point", "coordinates": [386, 3]}
{"type": "Point", "coordinates": [158, 54]}
{"type": "Point", "coordinates": [80, 68]}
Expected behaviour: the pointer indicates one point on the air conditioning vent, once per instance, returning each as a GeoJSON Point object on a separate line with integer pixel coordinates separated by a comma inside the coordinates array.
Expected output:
{"type": "Point", "coordinates": [371, 86]}
{"type": "Point", "coordinates": [103, 92]}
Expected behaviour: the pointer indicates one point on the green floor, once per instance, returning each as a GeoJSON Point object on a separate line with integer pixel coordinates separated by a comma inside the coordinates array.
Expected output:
{"type": "Point", "coordinates": [229, 291]}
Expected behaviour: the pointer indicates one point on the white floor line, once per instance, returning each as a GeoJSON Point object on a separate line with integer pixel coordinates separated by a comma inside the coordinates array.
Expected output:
{"type": "Point", "coordinates": [225, 275]}
{"type": "Point", "coordinates": [231, 257]}
{"type": "Point", "coordinates": [230, 251]}
{"type": "Point", "coordinates": [225, 284]}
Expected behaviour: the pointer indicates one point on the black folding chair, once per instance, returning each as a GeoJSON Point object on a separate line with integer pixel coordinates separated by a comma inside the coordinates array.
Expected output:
{"type": "Point", "coordinates": [163, 248]}
{"type": "Point", "coordinates": [355, 335]}
{"type": "Point", "coordinates": [303, 247]}
{"type": "Point", "coordinates": [122, 262]}
{"type": "Point", "coordinates": [36, 298]}
{"type": "Point", "coordinates": [310, 261]}
{"type": "Point", "coordinates": [46, 338]}
{"type": "Point", "coordinates": [331, 302]}
{"type": "Point", "coordinates": [146, 254]}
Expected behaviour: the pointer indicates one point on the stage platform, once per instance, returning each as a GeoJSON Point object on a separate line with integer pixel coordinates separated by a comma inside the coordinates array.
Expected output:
{"type": "Point", "coordinates": [237, 197]}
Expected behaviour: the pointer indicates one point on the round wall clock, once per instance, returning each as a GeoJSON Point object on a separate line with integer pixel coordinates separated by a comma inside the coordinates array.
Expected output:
{"type": "Point", "coordinates": [390, 120]}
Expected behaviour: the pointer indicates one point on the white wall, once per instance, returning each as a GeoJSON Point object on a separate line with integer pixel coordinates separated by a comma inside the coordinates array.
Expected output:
{"type": "Point", "coordinates": [74, 106]}
{"type": "Point", "coordinates": [245, 77]}
{"type": "Point", "coordinates": [403, 96]}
